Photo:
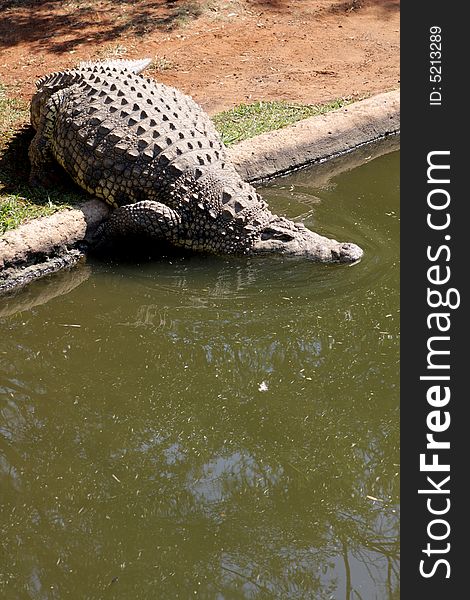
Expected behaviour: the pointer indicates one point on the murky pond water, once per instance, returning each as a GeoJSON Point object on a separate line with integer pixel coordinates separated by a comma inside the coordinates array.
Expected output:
{"type": "Point", "coordinates": [210, 428]}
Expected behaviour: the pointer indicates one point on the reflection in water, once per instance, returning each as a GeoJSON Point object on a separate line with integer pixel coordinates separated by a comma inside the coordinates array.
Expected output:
{"type": "Point", "coordinates": [42, 291]}
{"type": "Point", "coordinates": [207, 428]}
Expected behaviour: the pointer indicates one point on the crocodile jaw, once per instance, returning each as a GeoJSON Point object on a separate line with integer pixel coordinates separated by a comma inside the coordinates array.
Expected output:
{"type": "Point", "coordinates": [284, 237]}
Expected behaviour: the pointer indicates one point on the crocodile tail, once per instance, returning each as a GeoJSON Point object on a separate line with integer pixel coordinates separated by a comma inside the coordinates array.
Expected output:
{"type": "Point", "coordinates": [58, 78]}
{"type": "Point", "coordinates": [122, 64]}
{"type": "Point", "coordinates": [61, 79]}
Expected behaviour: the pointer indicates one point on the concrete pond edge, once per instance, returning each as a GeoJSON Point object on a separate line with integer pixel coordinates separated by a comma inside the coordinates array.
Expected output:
{"type": "Point", "coordinates": [48, 244]}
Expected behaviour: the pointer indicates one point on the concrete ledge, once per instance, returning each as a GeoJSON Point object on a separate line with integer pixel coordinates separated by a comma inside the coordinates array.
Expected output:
{"type": "Point", "coordinates": [318, 138]}
{"type": "Point", "coordinates": [47, 236]}
{"type": "Point", "coordinates": [48, 244]}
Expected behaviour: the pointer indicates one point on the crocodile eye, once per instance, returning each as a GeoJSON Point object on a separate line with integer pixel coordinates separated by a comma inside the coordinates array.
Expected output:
{"type": "Point", "coordinates": [270, 233]}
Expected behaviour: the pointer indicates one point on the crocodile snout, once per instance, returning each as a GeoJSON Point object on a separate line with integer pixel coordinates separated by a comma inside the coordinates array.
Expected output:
{"type": "Point", "coordinates": [347, 252]}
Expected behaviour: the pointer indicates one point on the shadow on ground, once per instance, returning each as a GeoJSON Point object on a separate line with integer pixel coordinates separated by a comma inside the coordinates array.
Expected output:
{"type": "Point", "coordinates": [45, 23]}
{"type": "Point", "coordinates": [41, 21]}
{"type": "Point", "coordinates": [336, 6]}
{"type": "Point", "coordinates": [15, 168]}
{"type": "Point", "coordinates": [347, 6]}
{"type": "Point", "coordinates": [14, 162]}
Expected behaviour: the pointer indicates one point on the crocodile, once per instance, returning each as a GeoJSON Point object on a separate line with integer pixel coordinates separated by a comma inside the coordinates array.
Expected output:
{"type": "Point", "coordinates": [155, 157]}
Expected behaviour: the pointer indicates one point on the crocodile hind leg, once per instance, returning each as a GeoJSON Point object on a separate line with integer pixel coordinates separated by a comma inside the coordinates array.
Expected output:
{"type": "Point", "coordinates": [146, 218]}
{"type": "Point", "coordinates": [42, 161]}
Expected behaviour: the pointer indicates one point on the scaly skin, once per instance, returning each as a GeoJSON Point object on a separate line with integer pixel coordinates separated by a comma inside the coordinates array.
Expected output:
{"type": "Point", "coordinates": [152, 153]}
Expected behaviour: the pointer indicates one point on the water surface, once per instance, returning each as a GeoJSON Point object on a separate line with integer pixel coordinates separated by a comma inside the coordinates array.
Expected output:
{"type": "Point", "coordinates": [211, 428]}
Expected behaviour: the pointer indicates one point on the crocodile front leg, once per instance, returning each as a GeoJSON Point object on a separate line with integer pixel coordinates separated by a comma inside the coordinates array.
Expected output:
{"type": "Point", "coordinates": [148, 218]}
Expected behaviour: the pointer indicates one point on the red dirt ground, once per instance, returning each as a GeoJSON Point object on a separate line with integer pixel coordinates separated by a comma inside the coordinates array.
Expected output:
{"type": "Point", "coordinates": [221, 52]}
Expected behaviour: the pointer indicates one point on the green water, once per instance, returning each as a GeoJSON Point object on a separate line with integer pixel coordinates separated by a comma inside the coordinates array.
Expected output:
{"type": "Point", "coordinates": [211, 428]}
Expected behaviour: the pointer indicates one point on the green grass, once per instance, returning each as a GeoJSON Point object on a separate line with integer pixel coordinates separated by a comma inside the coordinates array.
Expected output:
{"type": "Point", "coordinates": [19, 202]}
{"type": "Point", "coordinates": [15, 210]}
{"type": "Point", "coordinates": [247, 120]}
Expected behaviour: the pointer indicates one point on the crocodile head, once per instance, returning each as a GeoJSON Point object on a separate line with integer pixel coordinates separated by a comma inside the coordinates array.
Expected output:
{"type": "Point", "coordinates": [281, 236]}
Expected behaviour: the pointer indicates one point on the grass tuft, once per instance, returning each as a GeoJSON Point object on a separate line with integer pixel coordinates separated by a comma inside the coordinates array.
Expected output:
{"type": "Point", "coordinates": [110, 52]}
{"type": "Point", "coordinates": [247, 120]}
{"type": "Point", "coordinates": [15, 210]}
{"type": "Point", "coordinates": [159, 64]}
